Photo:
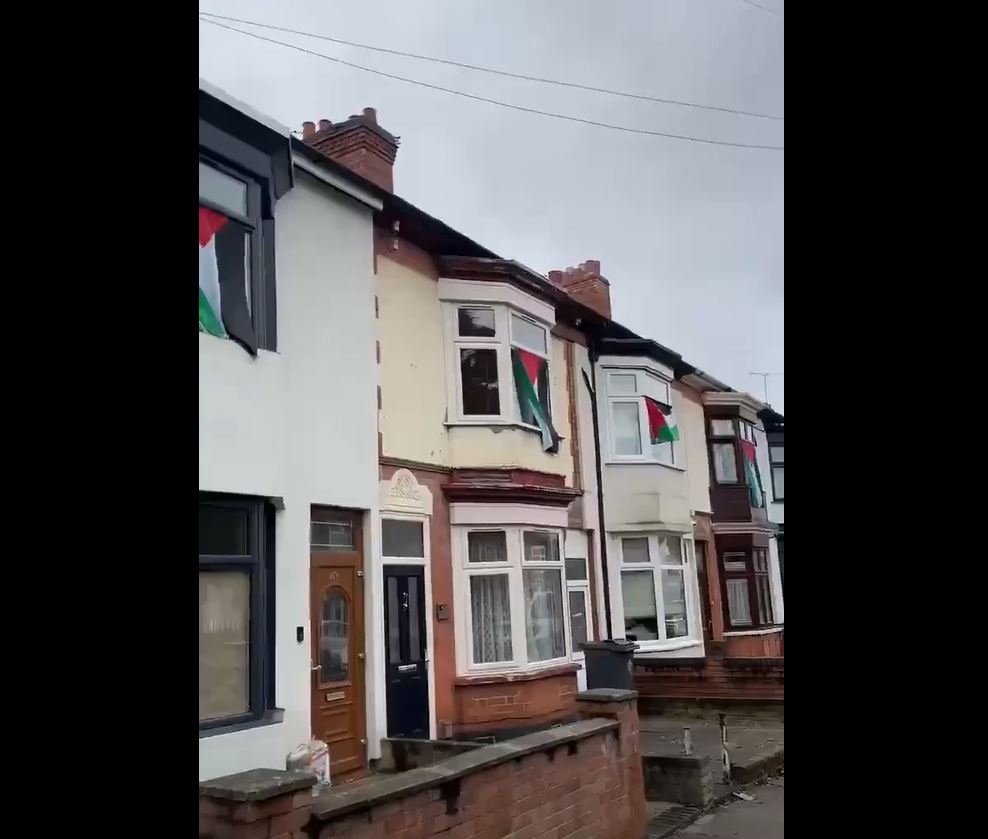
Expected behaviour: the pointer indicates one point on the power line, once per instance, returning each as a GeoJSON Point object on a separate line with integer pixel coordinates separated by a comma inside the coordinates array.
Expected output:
{"type": "Point", "coordinates": [480, 69]}
{"type": "Point", "coordinates": [495, 101]}
{"type": "Point", "coordinates": [764, 9]}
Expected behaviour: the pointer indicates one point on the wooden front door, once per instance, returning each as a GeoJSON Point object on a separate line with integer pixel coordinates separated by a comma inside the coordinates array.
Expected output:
{"type": "Point", "coordinates": [337, 635]}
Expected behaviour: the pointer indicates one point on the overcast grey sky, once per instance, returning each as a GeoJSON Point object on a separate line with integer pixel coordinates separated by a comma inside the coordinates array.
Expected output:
{"type": "Point", "coordinates": [690, 235]}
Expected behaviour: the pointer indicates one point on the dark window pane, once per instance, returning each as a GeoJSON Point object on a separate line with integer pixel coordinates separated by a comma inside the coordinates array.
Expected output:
{"type": "Point", "coordinates": [331, 536]}
{"type": "Point", "coordinates": [487, 546]}
{"type": "Point", "coordinates": [394, 631]}
{"type": "Point", "coordinates": [478, 371]}
{"type": "Point", "coordinates": [738, 605]}
{"type": "Point", "coordinates": [416, 644]}
{"type": "Point", "coordinates": [334, 637]}
{"type": "Point", "coordinates": [578, 618]}
{"type": "Point", "coordinates": [476, 323]}
{"type": "Point", "coordinates": [224, 648]}
{"type": "Point", "coordinates": [641, 620]}
{"type": "Point", "coordinates": [761, 563]}
{"type": "Point", "coordinates": [540, 546]}
{"type": "Point", "coordinates": [725, 464]}
{"type": "Point", "coordinates": [576, 569]}
{"type": "Point", "coordinates": [402, 538]}
{"type": "Point", "coordinates": [223, 530]}
{"type": "Point", "coordinates": [222, 190]}
{"type": "Point", "coordinates": [764, 599]}
{"type": "Point", "coordinates": [779, 481]}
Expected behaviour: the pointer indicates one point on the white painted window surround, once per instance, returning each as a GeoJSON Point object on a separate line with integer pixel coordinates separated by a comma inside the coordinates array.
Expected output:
{"type": "Point", "coordinates": [519, 320]}
{"type": "Point", "coordinates": [652, 585]}
{"type": "Point", "coordinates": [628, 439]}
{"type": "Point", "coordinates": [509, 583]}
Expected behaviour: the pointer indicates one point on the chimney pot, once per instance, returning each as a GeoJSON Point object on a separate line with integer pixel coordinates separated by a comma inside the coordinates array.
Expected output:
{"type": "Point", "coordinates": [592, 266]}
{"type": "Point", "coordinates": [361, 145]}
{"type": "Point", "coordinates": [325, 124]}
{"type": "Point", "coordinates": [371, 114]}
{"type": "Point", "coordinates": [308, 129]}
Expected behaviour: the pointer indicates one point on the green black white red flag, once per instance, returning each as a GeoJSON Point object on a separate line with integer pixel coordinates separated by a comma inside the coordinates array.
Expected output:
{"type": "Point", "coordinates": [223, 278]}
{"type": "Point", "coordinates": [751, 473]}
{"type": "Point", "coordinates": [662, 426]}
{"type": "Point", "coordinates": [531, 374]}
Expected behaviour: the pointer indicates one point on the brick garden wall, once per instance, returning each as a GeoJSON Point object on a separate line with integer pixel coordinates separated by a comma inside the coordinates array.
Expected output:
{"type": "Point", "coordinates": [582, 780]}
{"type": "Point", "coordinates": [747, 668]}
{"type": "Point", "coordinates": [494, 704]}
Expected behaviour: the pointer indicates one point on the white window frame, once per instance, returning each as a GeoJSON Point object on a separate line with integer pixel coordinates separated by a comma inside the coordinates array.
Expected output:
{"type": "Point", "coordinates": [502, 341]}
{"type": "Point", "coordinates": [656, 566]}
{"type": "Point", "coordinates": [583, 587]}
{"type": "Point", "coordinates": [464, 570]}
{"type": "Point", "coordinates": [647, 383]}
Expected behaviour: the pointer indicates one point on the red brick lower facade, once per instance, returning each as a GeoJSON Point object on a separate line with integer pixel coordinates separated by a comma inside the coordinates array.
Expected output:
{"type": "Point", "coordinates": [481, 705]}
{"type": "Point", "coordinates": [485, 705]}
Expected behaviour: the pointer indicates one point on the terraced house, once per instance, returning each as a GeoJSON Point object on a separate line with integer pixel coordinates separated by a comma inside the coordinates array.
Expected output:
{"type": "Point", "coordinates": [428, 473]}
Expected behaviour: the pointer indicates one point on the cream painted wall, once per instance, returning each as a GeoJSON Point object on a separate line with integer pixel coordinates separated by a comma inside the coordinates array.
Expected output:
{"type": "Point", "coordinates": [497, 446]}
{"type": "Point", "coordinates": [412, 369]}
{"type": "Point", "coordinates": [299, 424]}
{"type": "Point", "coordinates": [689, 414]}
{"type": "Point", "coordinates": [413, 387]}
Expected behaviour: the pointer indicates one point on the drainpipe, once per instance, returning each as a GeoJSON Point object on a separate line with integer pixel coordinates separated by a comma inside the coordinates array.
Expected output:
{"type": "Point", "coordinates": [591, 383]}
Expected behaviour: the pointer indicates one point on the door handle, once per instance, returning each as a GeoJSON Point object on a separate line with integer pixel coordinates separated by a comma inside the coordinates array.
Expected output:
{"type": "Point", "coordinates": [360, 656]}
{"type": "Point", "coordinates": [317, 667]}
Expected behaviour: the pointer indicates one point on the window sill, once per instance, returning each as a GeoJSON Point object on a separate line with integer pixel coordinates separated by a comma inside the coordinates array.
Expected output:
{"type": "Point", "coordinates": [272, 717]}
{"type": "Point", "coordinates": [664, 646]}
{"type": "Point", "coordinates": [770, 631]}
{"type": "Point", "coordinates": [643, 462]}
{"type": "Point", "coordinates": [493, 423]}
{"type": "Point", "coordinates": [518, 675]}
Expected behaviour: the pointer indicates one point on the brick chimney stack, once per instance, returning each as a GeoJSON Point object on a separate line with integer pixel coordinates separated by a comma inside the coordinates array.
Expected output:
{"type": "Point", "coordinates": [585, 283]}
{"type": "Point", "coordinates": [358, 143]}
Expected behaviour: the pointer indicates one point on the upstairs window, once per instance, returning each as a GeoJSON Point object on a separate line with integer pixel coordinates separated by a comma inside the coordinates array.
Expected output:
{"type": "Point", "coordinates": [733, 455]}
{"type": "Point", "coordinates": [641, 421]}
{"type": "Point", "coordinates": [501, 360]}
{"type": "Point", "coordinates": [236, 264]}
{"type": "Point", "coordinates": [776, 456]}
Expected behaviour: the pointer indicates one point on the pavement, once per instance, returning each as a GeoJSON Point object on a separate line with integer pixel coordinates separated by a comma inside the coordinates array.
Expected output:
{"type": "Point", "coordinates": [750, 743]}
{"type": "Point", "coordinates": [761, 818]}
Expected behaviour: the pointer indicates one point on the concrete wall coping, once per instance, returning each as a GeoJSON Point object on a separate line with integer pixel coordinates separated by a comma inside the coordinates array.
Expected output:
{"type": "Point", "coordinates": [606, 695]}
{"type": "Point", "coordinates": [342, 800]}
{"type": "Point", "coordinates": [257, 784]}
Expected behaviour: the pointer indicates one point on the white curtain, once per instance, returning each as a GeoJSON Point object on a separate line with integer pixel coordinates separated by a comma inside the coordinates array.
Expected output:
{"type": "Point", "coordinates": [544, 614]}
{"type": "Point", "coordinates": [738, 605]}
{"type": "Point", "coordinates": [491, 610]}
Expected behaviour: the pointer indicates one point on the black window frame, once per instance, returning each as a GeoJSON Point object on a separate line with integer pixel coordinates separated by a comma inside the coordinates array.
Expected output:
{"type": "Point", "coordinates": [259, 564]}
{"type": "Point", "coordinates": [772, 464]}
{"type": "Point", "coordinates": [237, 159]}
{"type": "Point", "coordinates": [751, 573]}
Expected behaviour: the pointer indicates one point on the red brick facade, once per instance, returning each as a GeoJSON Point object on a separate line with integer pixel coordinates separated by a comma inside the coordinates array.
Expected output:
{"type": "Point", "coordinates": [583, 784]}
{"type": "Point", "coordinates": [489, 704]}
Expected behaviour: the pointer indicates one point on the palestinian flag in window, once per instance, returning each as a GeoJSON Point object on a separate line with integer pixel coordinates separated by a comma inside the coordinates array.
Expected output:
{"type": "Point", "coordinates": [224, 259]}
{"type": "Point", "coordinates": [531, 374]}
{"type": "Point", "coordinates": [751, 473]}
{"type": "Point", "coordinates": [662, 427]}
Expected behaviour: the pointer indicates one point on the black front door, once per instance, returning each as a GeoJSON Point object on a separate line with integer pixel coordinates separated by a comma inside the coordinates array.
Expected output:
{"type": "Point", "coordinates": [405, 644]}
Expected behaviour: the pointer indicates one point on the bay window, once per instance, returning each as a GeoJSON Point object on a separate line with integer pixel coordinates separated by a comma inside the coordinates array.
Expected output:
{"type": "Point", "coordinates": [501, 368]}
{"type": "Point", "coordinates": [637, 400]}
{"type": "Point", "coordinates": [514, 580]}
{"type": "Point", "coordinates": [654, 587]}
{"type": "Point", "coordinates": [747, 589]}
